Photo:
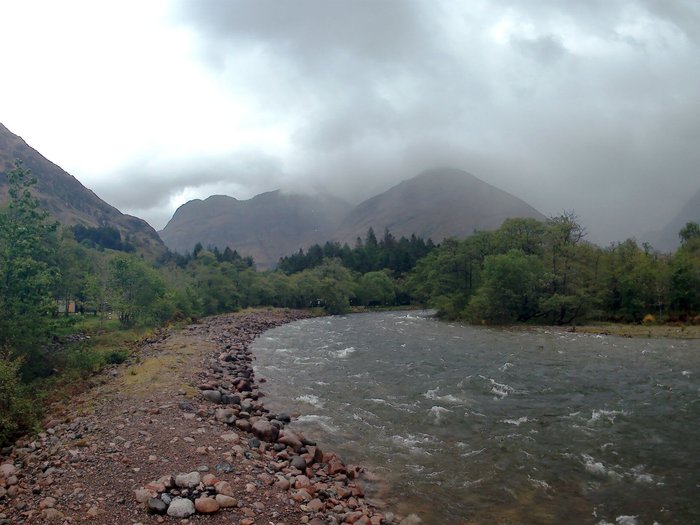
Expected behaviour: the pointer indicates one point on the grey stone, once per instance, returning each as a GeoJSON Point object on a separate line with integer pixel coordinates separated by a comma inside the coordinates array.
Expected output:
{"type": "Point", "coordinates": [188, 480]}
{"type": "Point", "coordinates": [298, 463]}
{"type": "Point", "coordinates": [212, 395]}
{"type": "Point", "coordinates": [156, 506]}
{"type": "Point", "coordinates": [181, 508]}
{"type": "Point", "coordinates": [226, 415]}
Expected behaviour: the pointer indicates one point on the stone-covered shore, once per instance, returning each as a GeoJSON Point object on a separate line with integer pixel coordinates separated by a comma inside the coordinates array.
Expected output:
{"type": "Point", "coordinates": [181, 435]}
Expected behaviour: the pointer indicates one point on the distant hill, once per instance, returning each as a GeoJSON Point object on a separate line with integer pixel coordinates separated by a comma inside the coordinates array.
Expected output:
{"type": "Point", "coordinates": [667, 238]}
{"type": "Point", "coordinates": [436, 204]}
{"type": "Point", "coordinates": [266, 227]}
{"type": "Point", "coordinates": [67, 200]}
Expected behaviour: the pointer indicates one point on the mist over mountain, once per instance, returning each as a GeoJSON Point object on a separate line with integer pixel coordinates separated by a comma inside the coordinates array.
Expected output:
{"type": "Point", "coordinates": [265, 227]}
{"type": "Point", "coordinates": [667, 238]}
{"type": "Point", "coordinates": [67, 200]}
{"type": "Point", "coordinates": [438, 203]}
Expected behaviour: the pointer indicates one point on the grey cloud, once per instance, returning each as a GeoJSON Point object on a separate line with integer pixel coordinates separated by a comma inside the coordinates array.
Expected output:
{"type": "Point", "coordinates": [145, 187]}
{"type": "Point", "coordinates": [546, 49]}
{"type": "Point", "coordinates": [592, 119]}
{"type": "Point", "coordinates": [312, 31]}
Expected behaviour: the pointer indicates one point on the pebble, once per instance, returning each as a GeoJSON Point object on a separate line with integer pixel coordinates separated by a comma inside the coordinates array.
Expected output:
{"type": "Point", "coordinates": [226, 501]}
{"type": "Point", "coordinates": [47, 503]}
{"type": "Point", "coordinates": [224, 487]}
{"type": "Point", "coordinates": [51, 515]}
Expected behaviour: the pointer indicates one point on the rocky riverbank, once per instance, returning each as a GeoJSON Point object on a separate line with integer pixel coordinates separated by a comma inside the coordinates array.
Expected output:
{"type": "Point", "coordinates": [181, 435]}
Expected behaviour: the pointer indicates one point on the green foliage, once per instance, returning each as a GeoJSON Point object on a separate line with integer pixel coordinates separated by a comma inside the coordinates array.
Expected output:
{"type": "Point", "coordinates": [115, 357]}
{"type": "Point", "coordinates": [329, 285]}
{"type": "Point", "coordinates": [101, 237]}
{"type": "Point", "coordinates": [399, 257]}
{"type": "Point", "coordinates": [512, 286]}
{"type": "Point", "coordinates": [136, 291]}
{"type": "Point", "coordinates": [28, 272]}
{"type": "Point", "coordinates": [690, 233]}
{"type": "Point", "coordinates": [547, 271]}
{"type": "Point", "coordinates": [18, 412]}
{"type": "Point", "coordinates": [376, 289]}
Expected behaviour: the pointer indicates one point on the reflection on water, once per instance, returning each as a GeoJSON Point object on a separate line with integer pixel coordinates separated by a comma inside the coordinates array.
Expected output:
{"type": "Point", "coordinates": [479, 425]}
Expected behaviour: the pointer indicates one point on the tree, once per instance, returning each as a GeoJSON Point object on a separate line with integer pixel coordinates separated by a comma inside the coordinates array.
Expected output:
{"type": "Point", "coordinates": [376, 289]}
{"type": "Point", "coordinates": [512, 286]}
{"type": "Point", "coordinates": [136, 291]}
{"type": "Point", "coordinates": [689, 233]}
{"type": "Point", "coordinates": [329, 285]}
{"type": "Point", "coordinates": [28, 272]}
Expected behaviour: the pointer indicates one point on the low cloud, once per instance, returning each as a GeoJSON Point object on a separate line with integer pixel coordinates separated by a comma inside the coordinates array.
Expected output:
{"type": "Point", "coordinates": [588, 106]}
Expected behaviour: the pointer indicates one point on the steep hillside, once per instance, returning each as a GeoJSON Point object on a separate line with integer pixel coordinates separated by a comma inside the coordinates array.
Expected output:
{"type": "Point", "coordinates": [67, 200]}
{"type": "Point", "coordinates": [438, 203]}
{"type": "Point", "coordinates": [667, 239]}
{"type": "Point", "coordinates": [266, 227]}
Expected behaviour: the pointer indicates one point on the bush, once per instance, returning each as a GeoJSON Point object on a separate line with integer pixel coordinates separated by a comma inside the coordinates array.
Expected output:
{"type": "Point", "coordinates": [17, 410]}
{"type": "Point", "coordinates": [649, 319]}
{"type": "Point", "coordinates": [83, 360]}
{"type": "Point", "coordinates": [115, 357]}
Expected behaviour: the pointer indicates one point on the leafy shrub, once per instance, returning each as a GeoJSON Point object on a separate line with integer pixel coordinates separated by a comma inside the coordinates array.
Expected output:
{"type": "Point", "coordinates": [17, 410]}
{"type": "Point", "coordinates": [83, 360]}
{"type": "Point", "coordinates": [115, 357]}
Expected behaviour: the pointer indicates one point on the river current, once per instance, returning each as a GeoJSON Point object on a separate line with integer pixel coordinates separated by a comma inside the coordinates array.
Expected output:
{"type": "Point", "coordinates": [480, 425]}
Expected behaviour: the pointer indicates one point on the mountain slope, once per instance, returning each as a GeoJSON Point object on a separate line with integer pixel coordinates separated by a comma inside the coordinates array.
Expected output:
{"type": "Point", "coordinates": [667, 238]}
{"type": "Point", "coordinates": [438, 203]}
{"type": "Point", "coordinates": [267, 227]}
{"type": "Point", "coordinates": [67, 200]}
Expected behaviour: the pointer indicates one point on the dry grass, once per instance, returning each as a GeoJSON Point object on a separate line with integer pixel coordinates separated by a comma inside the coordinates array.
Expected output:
{"type": "Point", "coordinates": [162, 371]}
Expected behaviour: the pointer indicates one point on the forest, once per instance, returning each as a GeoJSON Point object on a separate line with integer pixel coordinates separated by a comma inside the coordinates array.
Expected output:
{"type": "Point", "coordinates": [527, 271]}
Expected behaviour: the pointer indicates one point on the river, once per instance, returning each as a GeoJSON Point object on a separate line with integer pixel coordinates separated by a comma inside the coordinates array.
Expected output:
{"type": "Point", "coordinates": [481, 425]}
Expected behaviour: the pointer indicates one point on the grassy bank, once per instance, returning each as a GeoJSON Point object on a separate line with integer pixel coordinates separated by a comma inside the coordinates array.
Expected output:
{"type": "Point", "coordinates": [86, 345]}
{"type": "Point", "coordinates": [639, 330]}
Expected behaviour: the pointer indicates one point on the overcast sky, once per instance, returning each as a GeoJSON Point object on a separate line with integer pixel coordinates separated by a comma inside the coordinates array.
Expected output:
{"type": "Point", "coordinates": [591, 106]}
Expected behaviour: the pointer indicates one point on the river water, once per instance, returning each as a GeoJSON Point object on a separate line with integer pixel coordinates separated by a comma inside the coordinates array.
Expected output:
{"type": "Point", "coordinates": [479, 425]}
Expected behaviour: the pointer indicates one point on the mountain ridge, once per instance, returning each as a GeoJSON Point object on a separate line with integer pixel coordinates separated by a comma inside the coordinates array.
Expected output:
{"type": "Point", "coordinates": [67, 200]}
{"type": "Point", "coordinates": [437, 203]}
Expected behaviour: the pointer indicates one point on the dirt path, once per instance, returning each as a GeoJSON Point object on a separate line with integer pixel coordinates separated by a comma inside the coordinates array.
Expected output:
{"type": "Point", "coordinates": [187, 406]}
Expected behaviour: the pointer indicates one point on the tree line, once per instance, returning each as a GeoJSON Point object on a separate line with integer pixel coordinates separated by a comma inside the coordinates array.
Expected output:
{"type": "Point", "coordinates": [547, 272]}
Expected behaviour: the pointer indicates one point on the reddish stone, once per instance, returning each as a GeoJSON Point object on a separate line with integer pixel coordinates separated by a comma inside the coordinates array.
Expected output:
{"type": "Point", "coordinates": [315, 505]}
{"type": "Point", "coordinates": [224, 487]}
{"type": "Point", "coordinates": [206, 505]}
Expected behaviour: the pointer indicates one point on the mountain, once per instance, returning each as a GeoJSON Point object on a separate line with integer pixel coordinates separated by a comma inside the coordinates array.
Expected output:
{"type": "Point", "coordinates": [267, 227]}
{"type": "Point", "coordinates": [438, 203]}
{"type": "Point", "coordinates": [667, 238]}
{"type": "Point", "coordinates": [67, 200]}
